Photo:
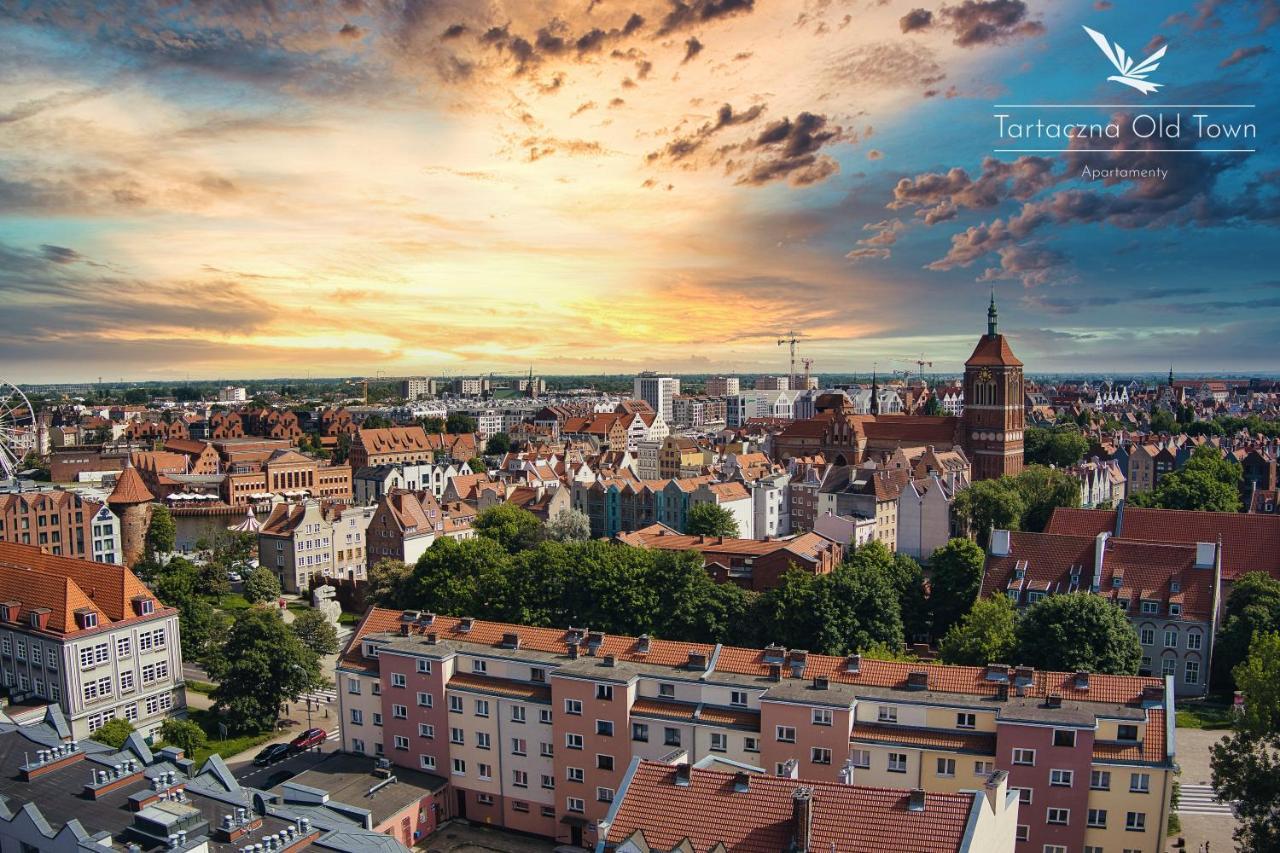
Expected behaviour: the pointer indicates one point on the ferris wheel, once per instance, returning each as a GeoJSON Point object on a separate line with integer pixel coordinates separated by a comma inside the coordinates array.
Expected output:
{"type": "Point", "coordinates": [16, 417]}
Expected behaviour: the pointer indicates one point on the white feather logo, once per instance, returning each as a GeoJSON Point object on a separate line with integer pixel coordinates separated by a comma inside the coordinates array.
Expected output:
{"type": "Point", "coordinates": [1131, 74]}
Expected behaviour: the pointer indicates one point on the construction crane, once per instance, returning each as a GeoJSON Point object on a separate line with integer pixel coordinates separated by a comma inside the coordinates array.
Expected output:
{"type": "Point", "coordinates": [792, 337]}
{"type": "Point", "coordinates": [919, 361]}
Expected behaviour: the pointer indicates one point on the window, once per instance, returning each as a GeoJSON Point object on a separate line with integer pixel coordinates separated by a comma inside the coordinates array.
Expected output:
{"type": "Point", "coordinates": [519, 746]}
{"type": "Point", "coordinates": [548, 782]}
{"type": "Point", "coordinates": [861, 757]}
{"type": "Point", "coordinates": [144, 642]}
{"type": "Point", "coordinates": [1024, 795]}
{"type": "Point", "coordinates": [482, 707]}
{"type": "Point", "coordinates": [604, 795]}
{"type": "Point", "coordinates": [459, 767]}
{"type": "Point", "coordinates": [1175, 609]}
{"type": "Point", "coordinates": [400, 712]}
{"type": "Point", "coordinates": [666, 691]}
{"type": "Point", "coordinates": [719, 742]}
{"type": "Point", "coordinates": [424, 700]}
{"type": "Point", "coordinates": [1055, 848]}
{"type": "Point", "coordinates": [605, 692]}
{"type": "Point", "coordinates": [670, 736]}
{"type": "Point", "coordinates": [575, 804]}
{"type": "Point", "coordinates": [739, 698]}
{"type": "Point", "coordinates": [124, 647]}
{"type": "Point", "coordinates": [820, 755]}
{"type": "Point", "coordinates": [574, 774]}
{"type": "Point", "coordinates": [1193, 640]}
{"type": "Point", "coordinates": [1140, 783]}
{"type": "Point", "coordinates": [1148, 636]}
{"type": "Point", "coordinates": [520, 778]}
{"type": "Point", "coordinates": [946, 767]}
{"type": "Point", "coordinates": [1100, 780]}
{"type": "Point", "coordinates": [983, 768]}
{"type": "Point", "coordinates": [1191, 673]}
{"type": "Point", "coordinates": [1168, 666]}
{"type": "Point", "coordinates": [126, 681]}
{"type": "Point", "coordinates": [604, 728]}
{"type": "Point", "coordinates": [785, 734]}
{"type": "Point", "coordinates": [402, 742]}
{"type": "Point", "coordinates": [887, 714]}
{"type": "Point", "coordinates": [821, 716]}
{"type": "Point", "coordinates": [573, 706]}
{"type": "Point", "coordinates": [966, 721]}
{"type": "Point", "coordinates": [424, 666]}
{"type": "Point", "coordinates": [377, 718]}
{"type": "Point", "coordinates": [457, 735]}
{"type": "Point", "coordinates": [1024, 756]}
{"type": "Point", "coordinates": [640, 732]}
{"type": "Point", "coordinates": [546, 750]}
{"type": "Point", "coordinates": [517, 713]}
{"type": "Point", "coordinates": [604, 762]}
{"type": "Point", "coordinates": [1150, 607]}
{"type": "Point", "coordinates": [1058, 817]}
{"type": "Point", "coordinates": [897, 762]}
{"type": "Point", "coordinates": [455, 704]}
{"type": "Point", "coordinates": [1135, 821]}
{"type": "Point", "coordinates": [573, 741]}
{"type": "Point", "coordinates": [479, 666]}
{"type": "Point", "coordinates": [1098, 818]}
{"type": "Point", "coordinates": [353, 686]}
{"type": "Point", "coordinates": [485, 771]}
{"type": "Point", "coordinates": [1061, 778]}
{"type": "Point", "coordinates": [1064, 737]}
{"type": "Point", "coordinates": [1022, 832]}
{"type": "Point", "coordinates": [426, 730]}
{"type": "Point", "coordinates": [1126, 732]}
{"type": "Point", "coordinates": [357, 717]}
{"type": "Point", "coordinates": [483, 740]}
{"type": "Point", "coordinates": [398, 679]}
{"type": "Point", "coordinates": [751, 744]}
{"type": "Point", "coordinates": [1171, 638]}
{"type": "Point", "coordinates": [537, 673]}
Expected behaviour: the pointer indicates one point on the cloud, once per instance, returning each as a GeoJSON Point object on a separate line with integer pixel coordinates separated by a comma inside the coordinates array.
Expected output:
{"type": "Point", "coordinates": [35, 106]}
{"type": "Point", "coordinates": [683, 15]}
{"type": "Point", "coordinates": [884, 234]}
{"type": "Point", "coordinates": [1240, 54]}
{"type": "Point", "coordinates": [683, 147]}
{"type": "Point", "coordinates": [788, 149]}
{"type": "Point", "coordinates": [976, 22]}
{"type": "Point", "coordinates": [937, 196]}
{"type": "Point", "coordinates": [692, 48]}
{"type": "Point", "coordinates": [350, 31]}
{"type": "Point", "coordinates": [887, 64]}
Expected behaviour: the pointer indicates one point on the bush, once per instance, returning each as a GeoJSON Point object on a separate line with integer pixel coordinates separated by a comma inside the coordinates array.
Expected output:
{"type": "Point", "coordinates": [261, 585]}
{"type": "Point", "coordinates": [184, 734]}
{"type": "Point", "coordinates": [114, 732]}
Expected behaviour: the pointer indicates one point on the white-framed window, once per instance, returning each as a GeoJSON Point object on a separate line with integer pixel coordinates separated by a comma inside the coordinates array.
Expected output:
{"type": "Point", "coordinates": [548, 781]}
{"type": "Point", "coordinates": [1194, 639]}
{"type": "Point", "coordinates": [400, 712]}
{"type": "Point", "coordinates": [719, 742]}
{"type": "Point", "coordinates": [946, 767]}
{"type": "Point", "coordinates": [482, 707]}
{"type": "Point", "coordinates": [820, 755]}
{"type": "Point", "coordinates": [738, 698]}
{"type": "Point", "coordinates": [604, 795]}
{"type": "Point", "coordinates": [353, 686]}
{"type": "Point", "coordinates": [479, 666]}
{"type": "Point", "coordinates": [126, 681]}
{"type": "Point", "coordinates": [861, 757]}
{"type": "Point", "coordinates": [897, 762]}
{"type": "Point", "coordinates": [1140, 783]}
{"type": "Point", "coordinates": [1061, 778]}
{"type": "Point", "coordinates": [983, 768]}
{"type": "Point", "coordinates": [455, 704]}
{"type": "Point", "coordinates": [544, 716]}
{"type": "Point", "coordinates": [604, 728]}
{"type": "Point", "coordinates": [427, 762]}
{"type": "Point", "coordinates": [966, 720]}
{"type": "Point", "coordinates": [546, 750]}
{"type": "Point", "coordinates": [520, 778]}
{"type": "Point", "coordinates": [424, 699]}
{"type": "Point", "coordinates": [575, 804]}
{"type": "Point", "coordinates": [1064, 737]}
{"type": "Point", "coordinates": [427, 731]}
{"type": "Point", "coordinates": [1098, 818]}
{"type": "Point", "coordinates": [1191, 672]}
{"type": "Point", "coordinates": [124, 647]}
{"type": "Point", "coordinates": [604, 692]}
{"type": "Point", "coordinates": [1135, 821]}
{"type": "Point", "coordinates": [483, 740]}
{"type": "Point", "coordinates": [459, 767]}
{"type": "Point", "coordinates": [1024, 795]}
{"type": "Point", "coordinates": [401, 742]}
{"type": "Point", "coordinates": [574, 774]}
{"type": "Point", "coordinates": [1148, 636]}
{"type": "Point", "coordinates": [1168, 666]}
{"type": "Point", "coordinates": [457, 735]}
{"type": "Point", "coordinates": [822, 716]}
{"type": "Point", "coordinates": [519, 746]}
{"type": "Point", "coordinates": [1024, 756]}
{"type": "Point", "coordinates": [573, 741]}
{"type": "Point", "coordinates": [887, 714]}
{"type": "Point", "coordinates": [1057, 816]}
{"type": "Point", "coordinates": [573, 706]}
{"type": "Point", "coordinates": [750, 744]}
{"type": "Point", "coordinates": [357, 717]}
{"type": "Point", "coordinates": [398, 679]}
{"type": "Point", "coordinates": [517, 713]}
{"type": "Point", "coordinates": [424, 666]}
{"type": "Point", "coordinates": [785, 734]}
{"type": "Point", "coordinates": [1100, 780]}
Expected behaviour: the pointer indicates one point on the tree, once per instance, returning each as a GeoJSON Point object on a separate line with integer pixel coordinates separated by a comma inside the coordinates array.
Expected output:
{"type": "Point", "coordinates": [114, 732]}
{"type": "Point", "coordinates": [162, 533]}
{"type": "Point", "coordinates": [1078, 631]}
{"type": "Point", "coordinates": [459, 423]}
{"type": "Point", "coordinates": [1207, 482]}
{"type": "Point", "coordinates": [184, 734]}
{"type": "Point", "coordinates": [467, 577]}
{"type": "Point", "coordinates": [476, 464]}
{"type": "Point", "coordinates": [1252, 607]}
{"type": "Point", "coordinates": [136, 395]}
{"type": "Point", "coordinates": [907, 579]}
{"type": "Point", "coordinates": [932, 406]}
{"type": "Point", "coordinates": [1246, 763]}
{"type": "Point", "coordinates": [987, 505]}
{"type": "Point", "coordinates": [852, 608]}
{"type": "Point", "coordinates": [708, 519]}
{"type": "Point", "coordinates": [261, 584]}
{"type": "Point", "coordinates": [388, 581]}
{"type": "Point", "coordinates": [263, 665]}
{"type": "Point", "coordinates": [986, 634]}
{"type": "Point", "coordinates": [569, 525]}
{"type": "Point", "coordinates": [1058, 446]}
{"type": "Point", "coordinates": [498, 444]}
{"type": "Point", "coordinates": [316, 632]}
{"type": "Point", "coordinates": [1043, 490]}
{"type": "Point", "coordinates": [432, 425]}
{"type": "Point", "coordinates": [513, 528]}
{"type": "Point", "coordinates": [955, 576]}
{"type": "Point", "coordinates": [1162, 421]}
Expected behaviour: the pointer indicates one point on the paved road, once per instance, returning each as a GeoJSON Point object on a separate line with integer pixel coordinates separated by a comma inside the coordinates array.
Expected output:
{"type": "Point", "coordinates": [270, 776]}
{"type": "Point", "coordinates": [1201, 799]}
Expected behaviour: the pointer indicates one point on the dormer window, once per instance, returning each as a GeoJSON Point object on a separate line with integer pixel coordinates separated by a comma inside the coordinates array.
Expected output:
{"type": "Point", "coordinates": [1175, 586]}
{"type": "Point", "coordinates": [33, 619]}
{"type": "Point", "coordinates": [143, 605]}
{"type": "Point", "coordinates": [86, 619]}
{"type": "Point", "coordinates": [1175, 609]}
{"type": "Point", "coordinates": [9, 611]}
{"type": "Point", "coordinates": [1117, 582]}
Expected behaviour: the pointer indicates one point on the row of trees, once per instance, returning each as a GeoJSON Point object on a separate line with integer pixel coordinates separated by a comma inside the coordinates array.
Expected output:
{"type": "Point", "coordinates": [1021, 502]}
{"type": "Point", "coordinates": [1060, 446]}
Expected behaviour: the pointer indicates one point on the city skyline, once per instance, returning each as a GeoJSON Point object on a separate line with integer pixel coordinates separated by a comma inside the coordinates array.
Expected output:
{"type": "Point", "coordinates": [608, 188]}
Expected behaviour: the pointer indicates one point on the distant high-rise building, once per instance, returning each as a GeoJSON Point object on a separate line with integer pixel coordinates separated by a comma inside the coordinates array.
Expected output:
{"type": "Point", "coordinates": [773, 383]}
{"type": "Point", "coordinates": [471, 386]}
{"type": "Point", "coordinates": [722, 386]}
{"type": "Point", "coordinates": [232, 394]}
{"type": "Point", "coordinates": [657, 391]}
{"type": "Point", "coordinates": [417, 386]}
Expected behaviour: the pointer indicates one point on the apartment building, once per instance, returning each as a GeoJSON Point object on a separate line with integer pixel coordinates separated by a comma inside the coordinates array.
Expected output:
{"type": "Point", "coordinates": [722, 386]}
{"type": "Point", "coordinates": [1170, 592]}
{"type": "Point", "coordinates": [408, 444]}
{"type": "Point", "coordinates": [63, 523]}
{"type": "Point", "coordinates": [373, 483]}
{"type": "Point", "coordinates": [404, 524]}
{"type": "Point", "coordinates": [417, 386]}
{"type": "Point", "coordinates": [308, 542]}
{"type": "Point", "coordinates": [88, 637]}
{"type": "Point", "coordinates": [535, 728]}
{"type": "Point", "coordinates": [657, 391]}
{"type": "Point", "coordinates": [865, 492]}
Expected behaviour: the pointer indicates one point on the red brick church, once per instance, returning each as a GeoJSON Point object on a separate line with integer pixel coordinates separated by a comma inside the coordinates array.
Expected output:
{"type": "Point", "coordinates": [989, 432]}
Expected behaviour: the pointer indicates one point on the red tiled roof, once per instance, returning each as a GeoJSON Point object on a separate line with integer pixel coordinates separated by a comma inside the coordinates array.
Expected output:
{"type": "Point", "coordinates": [993, 350]}
{"type": "Point", "coordinates": [130, 489]}
{"type": "Point", "coordinates": [846, 818]}
{"type": "Point", "coordinates": [1150, 750]}
{"type": "Point", "coordinates": [1250, 543]}
{"type": "Point", "coordinates": [500, 686]}
{"type": "Point", "coordinates": [65, 585]}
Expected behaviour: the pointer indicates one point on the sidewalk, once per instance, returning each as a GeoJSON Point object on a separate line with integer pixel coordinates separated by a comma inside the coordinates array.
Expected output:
{"type": "Point", "coordinates": [1197, 828]}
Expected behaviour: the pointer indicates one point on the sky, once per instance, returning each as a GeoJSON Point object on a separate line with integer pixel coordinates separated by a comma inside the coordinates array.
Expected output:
{"type": "Point", "coordinates": [260, 188]}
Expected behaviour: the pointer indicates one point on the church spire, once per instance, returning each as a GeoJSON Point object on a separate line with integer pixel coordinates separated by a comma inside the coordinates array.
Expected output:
{"type": "Point", "coordinates": [991, 315]}
{"type": "Point", "coordinates": [1171, 376]}
{"type": "Point", "coordinates": [875, 393]}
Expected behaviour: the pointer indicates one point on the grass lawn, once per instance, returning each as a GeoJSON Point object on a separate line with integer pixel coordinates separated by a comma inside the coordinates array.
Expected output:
{"type": "Point", "coordinates": [348, 618]}
{"type": "Point", "coordinates": [1198, 714]}
{"type": "Point", "coordinates": [232, 602]}
{"type": "Point", "coordinates": [226, 748]}
{"type": "Point", "coordinates": [200, 686]}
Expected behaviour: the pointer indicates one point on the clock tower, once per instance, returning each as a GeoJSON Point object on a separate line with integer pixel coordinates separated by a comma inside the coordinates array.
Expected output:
{"type": "Point", "coordinates": [994, 416]}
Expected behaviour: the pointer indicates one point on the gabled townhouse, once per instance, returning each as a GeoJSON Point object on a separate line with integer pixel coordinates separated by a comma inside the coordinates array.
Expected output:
{"type": "Point", "coordinates": [1171, 593]}
{"type": "Point", "coordinates": [404, 524]}
{"type": "Point", "coordinates": [536, 728]}
{"type": "Point", "coordinates": [680, 457]}
{"type": "Point", "coordinates": [925, 520]}
{"type": "Point", "coordinates": [868, 492]}
{"type": "Point", "coordinates": [310, 542]}
{"type": "Point", "coordinates": [372, 483]}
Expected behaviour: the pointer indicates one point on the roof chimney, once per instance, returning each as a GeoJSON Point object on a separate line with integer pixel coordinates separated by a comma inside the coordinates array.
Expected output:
{"type": "Point", "coordinates": [683, 775]}
{"type": "Point", "coordinates": [916, 803]}
{"type": "Point", "coordinates": [821, 683]}
{"type": "Point", "coordinates": [918, 679]}
{"type": "Point", "coordinates": [642, 644]}
{"type": "Point", "coordinates": [853, 664]}
{"type": "Point", "coordinates": [697, 659]}
{"type": "Point", "coordinates": [511, 640]}
{"type": "Point", "coordinates": [573, 650]}
{"type": "Point", "coordinates": [775, 672]}
{"type": "Point", "coordinates": [802, 818]}
{"type": "Point", "coordinates": [999, 543]}
{"type": "Point", "coordinates": [1053, 700]}
{"type": "Point", "coordinates": [741, 781]}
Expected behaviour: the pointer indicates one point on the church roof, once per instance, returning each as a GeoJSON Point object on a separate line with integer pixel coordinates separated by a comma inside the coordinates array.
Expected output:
{"type": "Point", "coordinates": [993, 351]}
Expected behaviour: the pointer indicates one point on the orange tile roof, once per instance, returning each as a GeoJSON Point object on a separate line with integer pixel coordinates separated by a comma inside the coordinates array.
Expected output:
{"type": "Point", "coordinates": [65, 584]}
{"type": "Point", "coordinates": [845, 818]}
{"type": "Point", "coordinates": [666, 709]}
{"type": "Point", "coordinates": [1150, 750]}
{"type": "Point", "coordinates": [993, 350]}
{"type": "Point", "coordinates": [130, 489]}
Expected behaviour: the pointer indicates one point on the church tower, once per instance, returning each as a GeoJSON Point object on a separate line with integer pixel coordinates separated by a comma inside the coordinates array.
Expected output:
{"type": "Point", "coordinates": [994, 416]}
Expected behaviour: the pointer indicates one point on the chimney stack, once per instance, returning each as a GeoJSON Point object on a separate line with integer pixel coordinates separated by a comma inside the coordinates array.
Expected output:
{"type": "Point", "coordinates": [916, 803]}
{"type": "Point", "coordinates": [683, 772]}
{"type": "Point", "coordinates": [802, 818]}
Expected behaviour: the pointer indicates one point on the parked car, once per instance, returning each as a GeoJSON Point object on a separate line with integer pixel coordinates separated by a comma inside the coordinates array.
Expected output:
{"type": "Point", "coordinates": [272, 754]}
{"type": "Point", "coordinates": [308, 739]}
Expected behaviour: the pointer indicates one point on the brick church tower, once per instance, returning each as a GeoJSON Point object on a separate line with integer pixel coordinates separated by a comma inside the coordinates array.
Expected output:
{"type": "Point", "coordinates": [994, 416]}
{"type": "Point", "coordinates": [131, 502]}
